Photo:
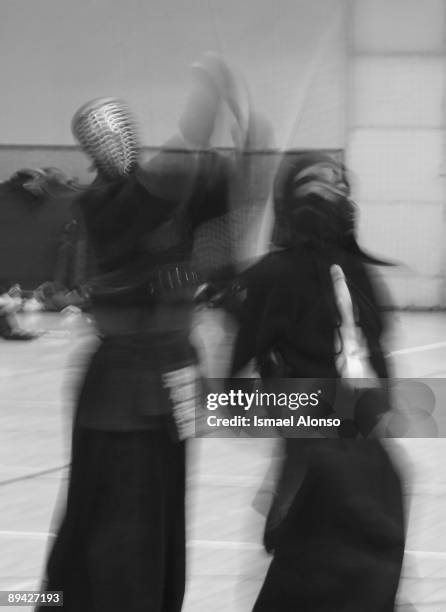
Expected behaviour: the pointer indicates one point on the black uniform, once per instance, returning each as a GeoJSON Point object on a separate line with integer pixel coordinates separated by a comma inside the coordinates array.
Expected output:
{"type": "Point", "coordinates": [337, 523]}
{"type": "Point", "coordinates": [121, 545]}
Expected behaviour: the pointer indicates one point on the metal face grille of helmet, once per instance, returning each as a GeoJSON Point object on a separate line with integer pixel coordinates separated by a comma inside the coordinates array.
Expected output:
{"type": "Point", "coordinates": [312, 189]}
{"type": "Point", "coordinates": [326, 179]}
{"type": "Point", "coordinates": [106, 132]}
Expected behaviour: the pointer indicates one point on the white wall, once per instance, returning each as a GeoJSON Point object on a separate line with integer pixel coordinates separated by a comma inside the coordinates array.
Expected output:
{"type": "Point", "coordinates": [56, 54]}
{"type": "Point", "coordinates": [396, 143]}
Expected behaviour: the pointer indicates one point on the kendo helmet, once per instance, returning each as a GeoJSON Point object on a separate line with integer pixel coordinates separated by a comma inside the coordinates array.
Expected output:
{"type": "Point", "coordinates": [107, 133]}
{"type": "Point", "coordinates": [312, 194]}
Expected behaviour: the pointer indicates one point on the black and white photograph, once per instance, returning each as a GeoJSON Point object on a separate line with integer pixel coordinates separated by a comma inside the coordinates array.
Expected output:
{"type": "Point", "coordinates": [223, 305]}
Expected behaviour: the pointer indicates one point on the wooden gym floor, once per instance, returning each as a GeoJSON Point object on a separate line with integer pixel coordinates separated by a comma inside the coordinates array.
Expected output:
{"type": "Point", "coordinates": [226, 563]}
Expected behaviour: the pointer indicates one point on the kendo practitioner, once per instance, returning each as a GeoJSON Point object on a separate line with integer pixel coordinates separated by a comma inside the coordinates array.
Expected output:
{"type": "Point", "coordinates": [336, 527]}
{"type": "Point", "coordinates": [121, 544]}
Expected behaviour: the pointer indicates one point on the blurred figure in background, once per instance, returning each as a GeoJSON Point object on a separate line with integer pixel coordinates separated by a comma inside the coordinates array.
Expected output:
{"type": "Point", "coordinates": [121, 544]}
{"type": "Point", "coordinates": [336, 527]}
{"type": "Point", "coordinates": [36, 204]}
{"type": "Point", "coordinates": [10, 304]}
